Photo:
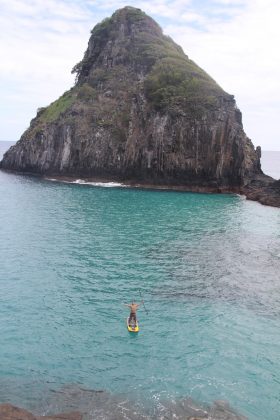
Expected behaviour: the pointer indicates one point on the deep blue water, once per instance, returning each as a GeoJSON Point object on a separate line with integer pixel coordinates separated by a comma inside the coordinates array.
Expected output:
{"type": "Point", "coordinates": [207, 265]}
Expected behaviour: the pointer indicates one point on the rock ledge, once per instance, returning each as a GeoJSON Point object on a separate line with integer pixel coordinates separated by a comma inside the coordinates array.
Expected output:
{"type": "Point", "coordinates": [10, 412]}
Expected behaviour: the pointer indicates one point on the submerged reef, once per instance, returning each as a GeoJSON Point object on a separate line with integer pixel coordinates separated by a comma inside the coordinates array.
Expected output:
{"type": "Point", "coordinates": [91, 405]}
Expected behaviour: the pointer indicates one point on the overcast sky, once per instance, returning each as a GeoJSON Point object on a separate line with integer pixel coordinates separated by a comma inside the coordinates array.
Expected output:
{"type": "Point", "coordinates": [235, 41]}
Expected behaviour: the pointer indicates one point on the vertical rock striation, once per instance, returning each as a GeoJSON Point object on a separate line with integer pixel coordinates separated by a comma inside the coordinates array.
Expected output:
{"type": "Point", "coordinates": [140, 111]}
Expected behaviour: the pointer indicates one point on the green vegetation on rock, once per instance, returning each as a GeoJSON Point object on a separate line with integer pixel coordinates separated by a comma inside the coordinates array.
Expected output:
{"type": "Point", "coordinates": [58, 107]}
{"type": "Point", "coordinates": [86, 93]}
{"type": "Point", "coordinates": [101, 27]}
{"type": "Point", "coordinates": [171, 79]}
{"type": "Point", "coordinates": [178, 81]}
{"type": "Point", "coordinates": [98, 76]}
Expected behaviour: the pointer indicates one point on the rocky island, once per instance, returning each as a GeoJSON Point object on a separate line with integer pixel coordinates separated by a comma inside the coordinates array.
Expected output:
{"type": "Point", "coordinates": [143, 113]}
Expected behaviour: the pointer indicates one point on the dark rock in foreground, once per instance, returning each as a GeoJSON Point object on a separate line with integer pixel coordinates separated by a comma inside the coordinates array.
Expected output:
{"type": "Point", "coordinates": [140, 111]}
{"type": "Point", "coordinates": [263, 189]}
{"type": "Point", "coordinates": [9, 412]}
{"type": "Point", "coordinates": [102, 405]}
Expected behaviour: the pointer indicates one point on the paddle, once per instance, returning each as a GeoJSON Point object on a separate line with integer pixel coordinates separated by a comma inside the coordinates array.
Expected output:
{"type": "Point", "coordinates": [143, 302]}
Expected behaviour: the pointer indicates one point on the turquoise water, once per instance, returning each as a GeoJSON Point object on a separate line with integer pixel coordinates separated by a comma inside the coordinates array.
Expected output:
{"type": "Point", "coordinates": [207, 265]}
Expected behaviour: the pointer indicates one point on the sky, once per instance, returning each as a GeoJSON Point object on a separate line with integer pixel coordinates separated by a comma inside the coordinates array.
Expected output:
{"type": "Point", "coordinates": [235, 41]}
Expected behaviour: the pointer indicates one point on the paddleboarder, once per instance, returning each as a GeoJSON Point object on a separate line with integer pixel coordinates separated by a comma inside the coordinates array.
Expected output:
{"type": "Point", "coordinates": [133, 306]}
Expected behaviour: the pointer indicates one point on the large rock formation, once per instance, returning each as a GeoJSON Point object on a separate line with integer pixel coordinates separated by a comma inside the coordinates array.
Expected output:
{"type": "Point", "coordinates": [140, 111]}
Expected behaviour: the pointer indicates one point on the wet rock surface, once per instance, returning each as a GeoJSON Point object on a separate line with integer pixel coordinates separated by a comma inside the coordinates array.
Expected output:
{"type": "Point", "coordinates": [83, 404]}
{"type": "Point", "coordinates": [265, 190]}
{"type": "Point", "coordinates": [10, 412]}
{"type": "Point", "coordinates": [141, 111]}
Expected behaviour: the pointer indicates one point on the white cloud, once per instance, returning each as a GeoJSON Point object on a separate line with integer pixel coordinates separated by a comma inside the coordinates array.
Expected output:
{"type": "Point", "coordinates": [236, 42]}
{"type": "Point", "coordinates": [193, 17]}
{"type": "Point", "coordinates": [243, 55]}
{"type": "Point", "coordinates": [231, 2]}
{"type": "Point", "coordinates": [40, 43]}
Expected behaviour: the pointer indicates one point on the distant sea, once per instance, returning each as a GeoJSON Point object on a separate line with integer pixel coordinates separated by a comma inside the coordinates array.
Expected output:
{"type": "Point", "coordinates": [207, 266]}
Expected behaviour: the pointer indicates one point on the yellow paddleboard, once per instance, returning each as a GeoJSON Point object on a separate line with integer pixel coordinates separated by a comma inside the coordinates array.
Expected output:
{"type": "Point", "coordinates": [132, 328]}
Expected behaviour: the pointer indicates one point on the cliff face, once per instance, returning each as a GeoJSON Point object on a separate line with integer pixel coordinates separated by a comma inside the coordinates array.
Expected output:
{"type": "Point", "coordinates": [140, 110]}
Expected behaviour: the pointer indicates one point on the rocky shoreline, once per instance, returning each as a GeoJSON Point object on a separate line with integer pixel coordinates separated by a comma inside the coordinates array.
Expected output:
{"type": "Point", "coordinates": [262, 189]}
{"type": "Point", "coordinates": [265, 190]}
{"type": "Point", "coordinates": [185, 409]}
{"type": "Point", "coordinates": [10, 412]}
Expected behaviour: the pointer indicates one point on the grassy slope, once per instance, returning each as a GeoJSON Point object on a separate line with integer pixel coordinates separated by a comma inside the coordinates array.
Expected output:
{"type": "Point", "coordinates": [173, 80]}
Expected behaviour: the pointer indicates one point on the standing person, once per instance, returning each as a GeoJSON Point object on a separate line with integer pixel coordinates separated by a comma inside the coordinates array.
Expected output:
{"type": "Point", "coordinates": [133, 309]}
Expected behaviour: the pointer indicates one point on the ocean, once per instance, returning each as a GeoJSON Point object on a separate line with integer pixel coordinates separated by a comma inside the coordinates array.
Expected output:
{"type": "Point", "coordinates": [207, 266]}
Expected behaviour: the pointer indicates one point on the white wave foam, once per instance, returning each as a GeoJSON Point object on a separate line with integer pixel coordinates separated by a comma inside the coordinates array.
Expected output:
{"type": "Point", "coordinates": [242, 197]}
{"type": "Point", "coordinates": [94, 184]}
